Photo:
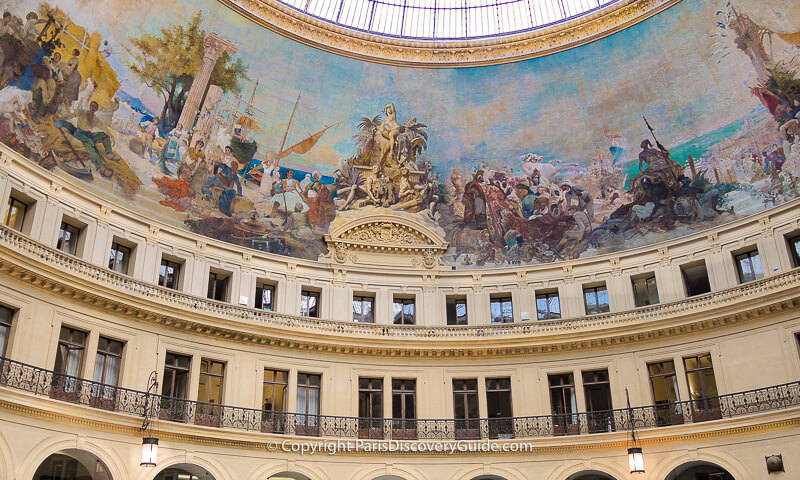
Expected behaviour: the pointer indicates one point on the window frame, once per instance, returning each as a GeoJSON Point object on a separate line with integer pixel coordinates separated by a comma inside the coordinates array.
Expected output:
{"type": "Point", "coordinates": [648, 301]}
{"type": "Point", "coordinates": [404, 301]}
{"type": "Point", "coordinates": [305, 309]}
{"type": "Point", "coordinates": [70, 346]}
{"type": "Point", "coordinates": [265, 286]}
{"type": "Point", "coordinates": [62, 241]}
{"type": "Point", "coordinates": [749, 256]}
{"type": "Point", "coordinates": [455, 301]}
{"type": "Point", "coordinates": [706, 406]}
{"type": "Point", "coordinates": [113, 257]}
{"type": "Point", "coordinates": [547, 296]}
{"type": "Point", "coordinates": [273, 384]}
{"type": "Point", "coordinates": [177, 369]}
{"type": "Point", "coordinates": [598, 308]}
{"type": "Point", "coordinates": [794, 249]}
{"type": "Point", "coordinates": [177, 270]}
{"type": "Point", "coordinates": [501, 300]}
{"type": "Point", "coordinates": [686, 284]}
{"type": "Point", "coordinates": [9, 325]}
{"type": "Point", "coordinates": [362, 299]}
{"type": "Point", "coordinates": [106, 354]}
{"type": "Point", "coordinates": [11, 204]}
{"type": "Point", "coordinates": [219, 283]}
{"type": "Point", "coordinates": [209, 375]}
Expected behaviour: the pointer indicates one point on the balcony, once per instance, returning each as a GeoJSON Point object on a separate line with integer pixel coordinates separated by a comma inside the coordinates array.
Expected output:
{"type": "Point", "coordinates": [46, 383]}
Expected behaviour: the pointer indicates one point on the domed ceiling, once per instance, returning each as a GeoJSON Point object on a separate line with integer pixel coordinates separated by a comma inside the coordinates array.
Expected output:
{"type": "Point", "coordinates": [196, 116]}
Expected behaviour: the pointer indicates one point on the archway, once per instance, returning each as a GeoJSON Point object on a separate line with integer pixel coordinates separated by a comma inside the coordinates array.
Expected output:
{"type": "Point", "coordinates": [184, 471]}
{"type": "Point", "coordinates": [289, 476]}
{"type": "Point", "coordinates": [72, 464]}
{"type": "Point", "coordinates": [699, 471]}
{"type": "Point", "coordinates": [389, 477]}
{"type": "Point", "coordinates": [590, 475]}
{"type": "Point", "coordinates": [489, 477]}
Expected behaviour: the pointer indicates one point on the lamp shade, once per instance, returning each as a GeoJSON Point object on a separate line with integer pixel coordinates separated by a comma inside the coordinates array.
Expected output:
{"type": "Point", "coordinates": [636, 460]}
{"type": "Point", "coordinates": [149, 452]}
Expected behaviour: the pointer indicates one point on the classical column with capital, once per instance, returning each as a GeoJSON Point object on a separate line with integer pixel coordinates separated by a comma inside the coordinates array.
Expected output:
{"type": "Point", "coordinates": [214, 46]}
{"type": "Point", "coordinates": [208, 113]}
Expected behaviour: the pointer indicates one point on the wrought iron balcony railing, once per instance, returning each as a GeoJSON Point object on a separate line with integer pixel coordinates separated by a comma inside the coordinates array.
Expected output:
{"type": "Point", "coordinates": [47, 383]}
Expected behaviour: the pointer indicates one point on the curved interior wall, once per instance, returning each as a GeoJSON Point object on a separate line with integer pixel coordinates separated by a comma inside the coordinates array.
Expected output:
{"type": "Point", "coordinates": [535, 161]}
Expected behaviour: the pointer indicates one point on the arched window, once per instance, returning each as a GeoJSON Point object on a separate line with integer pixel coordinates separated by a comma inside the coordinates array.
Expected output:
{"type": "Point", "coordinates": [699, 470]}
{"type": "Point", "coordinates": [72, 464]}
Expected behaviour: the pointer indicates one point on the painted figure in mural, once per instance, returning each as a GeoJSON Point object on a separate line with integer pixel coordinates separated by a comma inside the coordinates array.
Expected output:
{"type": "Point", "coordinates": [223, 185]}
{"type": "Point", "coordinates": [474, 200]}
{"type": "Point", "coordinates": [196, 166]}
{"type": "Point", "coordinates": [90, 130]}
{"type": "Point", "coordinates": [318, 198]}
{"type": "Point", "coordinates": [287, 193]}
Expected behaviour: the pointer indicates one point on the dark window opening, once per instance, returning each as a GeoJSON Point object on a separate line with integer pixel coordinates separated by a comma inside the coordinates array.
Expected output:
{"type": "Point", "coordinates": [119, 258]}
{"type": "Point", "coordinates": [15, 215]}
{"type": "Point", "coordinates": [169, 274]}
{"type": "Point", "coordinates": [404, 409]}
{"type": "Point", "coordinates": [564, 404]}
{"type": "Point", "coordinates": [456, 308]}
{"type": "Point", "coordinates": [695, 278]}
{"type": "Point", "coordinates": [309, 304]}
{"type": "Point", "coordinates": [664, 385]}
{"type": "Point", "coordinates": [645, 291]}
{"type": "Point", "coordinates": [466, 413]}
{"type": "Point", "coordinates": [748, 266]}
{"type": "Point", "coordinates": [595, 299]}
{"type": "Point", "coordinates": [498, 405]}
{"type": "Point", "coordinates": [265, 297]}
{"type": "Point", "coordinates": [370, 408]}
{"type": "Point", "coordinates": [68, 238]}
{"type": "Point", "coordinates": [597, 390]}
{"type": "Point", "coordinates": [218, 286]}
{"type": "Point", "coordinates": [702, 387]}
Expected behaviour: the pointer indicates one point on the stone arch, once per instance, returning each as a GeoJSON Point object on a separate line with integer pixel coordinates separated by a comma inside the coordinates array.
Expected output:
{"type": "Point", "coordinates": [700, 464]}
{"type": "Point", "coordinates": [273, 470]}
{"type": "Point", "coordinates": [496, 473]}
{"type": "Point", "coordinates": [728, 462]}
{"type": "Point", "coordinates": [181, 461]}
{"type": "Point", "coordinates": [109, 459]}
{"type": "Point", "coordinates": [382, 473]}
{"type": "Point", "coordinates": [7, 467]}
{"type": "Point", "coordinates": [590, 467]}
{"type": "Point", "coordinates": [590, 475]}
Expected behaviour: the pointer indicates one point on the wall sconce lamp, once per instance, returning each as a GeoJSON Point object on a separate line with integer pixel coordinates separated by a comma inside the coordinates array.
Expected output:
{"type": "Point", "coordinates": [149, 438]}
{"type": "Point", "coordinates": [774, 463]}
{"type": "Point", "coordinates": [635, 457]}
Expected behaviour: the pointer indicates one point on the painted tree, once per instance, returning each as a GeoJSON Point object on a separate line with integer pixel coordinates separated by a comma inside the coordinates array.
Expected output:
{"type": "Point", "coordinates": [169, 61]}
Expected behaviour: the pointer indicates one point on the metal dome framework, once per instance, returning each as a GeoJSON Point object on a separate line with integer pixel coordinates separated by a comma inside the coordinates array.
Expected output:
{"type": "Point", "coordinates": [446, 19]}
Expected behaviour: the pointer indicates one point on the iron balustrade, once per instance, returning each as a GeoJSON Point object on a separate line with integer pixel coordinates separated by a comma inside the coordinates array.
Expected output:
{"type": "Point", "coordinates": [75, 390]}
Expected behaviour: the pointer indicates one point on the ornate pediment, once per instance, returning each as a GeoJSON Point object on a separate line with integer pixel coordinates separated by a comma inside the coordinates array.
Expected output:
{"type": "Point", "coordinates": [385, 235]}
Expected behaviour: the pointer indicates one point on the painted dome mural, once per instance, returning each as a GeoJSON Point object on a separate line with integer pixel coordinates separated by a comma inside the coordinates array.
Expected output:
{"type": "Point", "coordinates": [193, 115]}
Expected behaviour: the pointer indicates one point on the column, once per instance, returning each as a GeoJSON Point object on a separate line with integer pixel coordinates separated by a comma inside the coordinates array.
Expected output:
{"type": "Point", "coordinates": [214, 46]}
{"type": "Point", "coordinates": [203, 128]}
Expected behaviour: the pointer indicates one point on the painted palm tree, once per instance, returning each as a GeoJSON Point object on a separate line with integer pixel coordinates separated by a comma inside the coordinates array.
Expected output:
{"type": "Point", "coordinates": [366, 141]}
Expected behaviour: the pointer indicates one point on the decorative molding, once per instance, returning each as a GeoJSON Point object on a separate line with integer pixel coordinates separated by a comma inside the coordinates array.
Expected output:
{"type": "Point", "coordinates": [115, 423]}
{"type": "Point", "coordinates": [386, 234]}
{"type": "Point", "coordinates": [93, 287]}
{"type": "Point", "coordinates": [542, 41]}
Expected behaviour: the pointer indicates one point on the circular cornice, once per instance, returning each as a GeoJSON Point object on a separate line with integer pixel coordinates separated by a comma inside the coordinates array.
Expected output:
{"type": "Point", "coordinates": [326, 36]}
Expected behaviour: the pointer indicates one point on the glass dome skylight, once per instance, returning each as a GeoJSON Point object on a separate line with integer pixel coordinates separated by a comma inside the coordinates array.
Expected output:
{"type": "Point", "coordinates": [445, 19]}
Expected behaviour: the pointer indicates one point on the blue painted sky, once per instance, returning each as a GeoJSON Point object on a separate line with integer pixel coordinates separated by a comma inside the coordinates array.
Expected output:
{"type": "Point", "coordinates": [555, 106]}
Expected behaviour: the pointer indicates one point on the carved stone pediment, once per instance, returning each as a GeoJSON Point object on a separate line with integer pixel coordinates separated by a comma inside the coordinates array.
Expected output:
{"type": "Point", "coordinates": [385, 235]}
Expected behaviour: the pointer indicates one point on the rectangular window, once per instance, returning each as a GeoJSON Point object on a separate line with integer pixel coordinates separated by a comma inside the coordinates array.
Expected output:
{"type": "Point", "coordinates": [308, 395]}
{"type": "Point", "coordinates": [6, 317]}
{"type": "Point", "coordinates": [456, 308]}
{"type": "Point", "coordinates": [69, 362]}
{"type": "Point", "coordinates": [702, 387]}
{"type": "Point", "coordinates": [212, 376]}
{"type": "Point", "coordinates": [695, 277]}
{"type": "Point", "coordinates": [794, 250]}
{"type": "Point", "coordinates": [119, 258]}
{"type": "Point", "coordinates": [174, 388]}
{"type": "Point", "coordinates": [498, 405]}
{"type": "Point", "coordinates": [106, 373]}
{"type": "Point", "coordinates": [274, 395]}
{"type": "Point", "coordinates": [548, 306]}
{"type": "Point", "coordinates": [68, 238]}
{"type": "Point", "coordinates": [501, 309]}
{"type": "Point", "coordinates": [176, 376]}
{"type": "Point", "coordinates": [169, 274]}
{"type": "Point", "coordinates": [595, 299]}
{"type": "Point", "coordinates": [265, 296]}
{"type": "Point", "coordinates": [363, 307]}
{"type": "Point", "coordinates": [370, 408]}
{"type": "Point", "coordinates": [597, 391]}
{"type": "Point", "coordinates": [218, 286]}
{"type": "Point", "coordinates": [664, 385]}
{"type": "Point", "coordinates": [748, 265]}
{"type": "Point", "coordinates": [466, 413]}
{"type": "Point", "coordinates": [309, 304]}
{"type": "Point", "coordinates": [209, 393]}
{"type": "Point", "coordinates": [645, 291]}
{"type": "Point", "coordinates": [404, 409]}
{"type": "Point", "coordinates": [564, 404]}
{"type": "Point", "coordinates": [15, 215]}
{"type": "Point", "coordinates": [403, 311]}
